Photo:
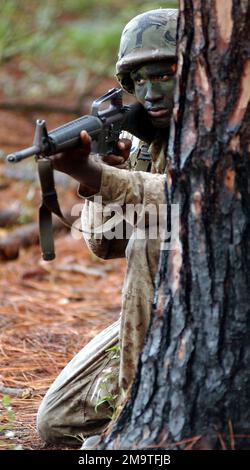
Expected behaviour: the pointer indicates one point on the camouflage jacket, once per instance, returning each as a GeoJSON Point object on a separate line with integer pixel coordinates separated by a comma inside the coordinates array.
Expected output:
{"type": "Point", "coordinates": [130, 187]}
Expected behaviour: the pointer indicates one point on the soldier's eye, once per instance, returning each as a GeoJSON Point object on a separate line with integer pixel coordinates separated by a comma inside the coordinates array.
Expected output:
{"type": "Point", "coordinates": [139, 81]}
{"type": "Point", "coordinates": [164, 78]}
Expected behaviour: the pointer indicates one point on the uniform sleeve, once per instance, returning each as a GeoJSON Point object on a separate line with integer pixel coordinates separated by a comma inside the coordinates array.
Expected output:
{"type": "Point", "coordinates": [100, 246]}
{"type": "Point", "coordinates": [138, 187]}
{"type": "Point", "coordinates": [119, 190]}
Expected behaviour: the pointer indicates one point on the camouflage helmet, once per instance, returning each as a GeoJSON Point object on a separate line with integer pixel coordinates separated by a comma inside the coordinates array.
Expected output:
{"type": "Point", "coordinates": [150, 36]}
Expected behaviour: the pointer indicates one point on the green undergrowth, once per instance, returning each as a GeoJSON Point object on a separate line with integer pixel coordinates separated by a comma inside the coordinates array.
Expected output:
{"type": "Point", "coordinates": [55, 45]}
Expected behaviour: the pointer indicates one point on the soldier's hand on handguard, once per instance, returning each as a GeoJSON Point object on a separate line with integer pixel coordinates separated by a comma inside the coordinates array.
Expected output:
{"type": "Point", "coordinates": [72, 162]}
{"type": "Point", "coordinates": [76, 163]}
{"type": "Point", "coordinates": [120, 160]}
{"type": "Point", "coordinates": [87, 172]}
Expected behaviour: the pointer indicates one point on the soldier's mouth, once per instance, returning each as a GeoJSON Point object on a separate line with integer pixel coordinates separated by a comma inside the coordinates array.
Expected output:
{"type": "Point", "coordinates": [158, 113]}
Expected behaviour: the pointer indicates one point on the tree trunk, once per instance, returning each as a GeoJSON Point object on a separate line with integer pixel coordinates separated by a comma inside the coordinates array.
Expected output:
{"type": "Point", "coordinates": [193, 384]}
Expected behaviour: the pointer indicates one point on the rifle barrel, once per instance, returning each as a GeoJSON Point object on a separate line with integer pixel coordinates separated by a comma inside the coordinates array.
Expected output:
{"type": "Point", "coordinates": [26, 153]}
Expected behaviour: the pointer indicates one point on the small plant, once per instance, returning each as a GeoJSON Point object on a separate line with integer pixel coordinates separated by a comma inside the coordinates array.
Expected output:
{"type": "Point", "coordinates": [106, 387]}
{"type": "Point", "coordinates": [116, 352]}
{"type": "Point", "coordinates": [7, 421]}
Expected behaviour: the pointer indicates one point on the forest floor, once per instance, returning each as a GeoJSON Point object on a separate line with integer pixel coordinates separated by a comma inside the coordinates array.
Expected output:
{"type": "Point", "coordinates": [48, 310]}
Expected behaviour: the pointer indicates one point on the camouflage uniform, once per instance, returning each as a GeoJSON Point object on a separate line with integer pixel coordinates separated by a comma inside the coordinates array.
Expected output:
{"type": "Point", "coordinates": [69, 407]}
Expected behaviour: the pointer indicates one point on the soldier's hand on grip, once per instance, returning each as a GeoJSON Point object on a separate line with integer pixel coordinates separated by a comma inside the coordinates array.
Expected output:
{"type": "Point", "coordinates": [120, 159]}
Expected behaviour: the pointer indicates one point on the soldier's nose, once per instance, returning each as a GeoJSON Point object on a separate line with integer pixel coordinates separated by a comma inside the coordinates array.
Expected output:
{"type": "Point", "coordinates": [152, 95]}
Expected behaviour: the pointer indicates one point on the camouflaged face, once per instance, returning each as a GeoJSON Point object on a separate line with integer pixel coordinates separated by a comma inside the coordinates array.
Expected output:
{"type": "Point", "coordinates": [147, 37]}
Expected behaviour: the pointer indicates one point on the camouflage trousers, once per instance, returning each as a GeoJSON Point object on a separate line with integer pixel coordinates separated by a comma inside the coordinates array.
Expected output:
{"type": "Point", "coordinates": [81, 400]}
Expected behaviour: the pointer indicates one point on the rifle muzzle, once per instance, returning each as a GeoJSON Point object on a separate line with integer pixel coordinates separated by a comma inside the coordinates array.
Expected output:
{"type": "Point", "coordinates": [26, 153]}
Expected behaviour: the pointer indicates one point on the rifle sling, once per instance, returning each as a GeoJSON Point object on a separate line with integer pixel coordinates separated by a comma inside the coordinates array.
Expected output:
{"type": "Point", "coordinates": [49, 205]}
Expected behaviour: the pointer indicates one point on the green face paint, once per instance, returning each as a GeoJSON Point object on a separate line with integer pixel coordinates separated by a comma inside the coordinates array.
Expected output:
{"type": "Point", "coordinates": [154, 85]}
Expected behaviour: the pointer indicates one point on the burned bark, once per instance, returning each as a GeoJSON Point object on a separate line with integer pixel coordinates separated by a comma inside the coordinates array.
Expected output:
{"type": "Point", "coordinates": [193, 381]}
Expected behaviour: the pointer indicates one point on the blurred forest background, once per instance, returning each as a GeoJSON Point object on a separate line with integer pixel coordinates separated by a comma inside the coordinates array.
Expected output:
{"type": "Point", "coordinates": [56, 57]}
{"type": "Point", "coordinates": [54, 47]}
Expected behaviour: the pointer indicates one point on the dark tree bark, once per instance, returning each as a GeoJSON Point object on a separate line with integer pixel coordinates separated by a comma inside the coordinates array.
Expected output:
{"type": "Point", "coordinates": [193, 381]}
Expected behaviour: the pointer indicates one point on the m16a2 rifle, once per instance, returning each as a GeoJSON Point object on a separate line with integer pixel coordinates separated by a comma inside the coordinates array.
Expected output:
{"type": "Point", "coordinates": [104, 127]}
